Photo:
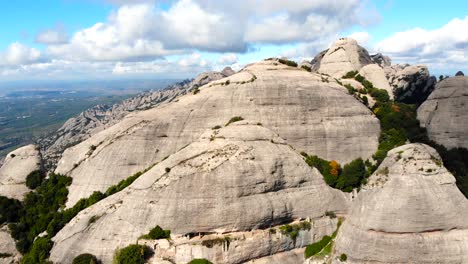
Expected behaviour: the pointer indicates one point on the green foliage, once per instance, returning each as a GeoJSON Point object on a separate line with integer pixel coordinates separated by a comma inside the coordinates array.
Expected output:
{"type": "Point", "coordinates": [343, 257]}
{"type": "Point", "coordinates": [307, 68]}
{"type": "Point", "coordinates": [133, 254]}
{"type": "Point", "coordinates": [292, 231]}
{"type": "Point", "coordinates": [5, 255]}
{"type": "Point", "coordinates": [34, 179]}
{"type": "Point", "coordinates": [316, 247]}
{"type": "Point", "coordinates": [216, 127]}
{"type": "Point", "coordinates": [234, 119]}
{"type": "Point", "coordinates": [350, 75]}
{"type": "Point", "coordinates": [157, 233]}
{"type": "Point", "coordinates": [288, 62]}
{"type": "Point", "coordinates": [352, 175]}
{"type": "Point", "coordinates": [10, 210]}
{"type": "Point", "coordinates": [39, 251]}
{"type": "Point", "coordinates": [200, 261]}
{"type": "Point", "coordinates": [85, 259]}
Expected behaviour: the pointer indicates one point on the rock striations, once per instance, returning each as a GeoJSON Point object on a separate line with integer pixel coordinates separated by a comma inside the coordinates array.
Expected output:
{"type": "Point", "coordinates": [313, 116]}
{"type": "Point", "coordinates": [100, 117]}
{"type": "Point", "coordinates": [410, 211]}
{"type": "Point", "coordinates": [18, 165]}
{"type": "Point", "coordinates": [238, 178]}
{"type": "Point", "coordinates": [445, 113]}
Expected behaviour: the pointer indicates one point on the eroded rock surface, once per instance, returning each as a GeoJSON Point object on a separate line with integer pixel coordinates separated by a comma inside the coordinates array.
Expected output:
{"type": "Point", "coordinates": [376, 75]}
{"type": "Point", "coordinates": [313, 116]}
{"type": "Point", "coordinates": [239, 178]}
{"type": "Point", "coordinates": [445, 113]}
{"type": "Point", "coordinates": [18, 165]}
{"type": "Point", "coordinates": [410, 211]}
{"type": "Point", "coordinates": [8, 248]}
{"type": "Point", "coordinates": [343, 56]}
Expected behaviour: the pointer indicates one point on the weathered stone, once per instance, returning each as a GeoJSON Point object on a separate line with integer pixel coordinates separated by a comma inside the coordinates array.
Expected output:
{"type": "Point", "coordinates": [343, 56]}
{"type": "Point", "coordinates": [18, 165]}
{"type": "Point", "coordinates": [376, 75]}
{"type": "Point", "coordinates": [445, 113]}
{"type": "Point", "coordinates": [239, 178]}
{"type": "Point", "coordinates": [381, 60]}
{"type": "Point", "coordinates": [410, 211]}
{"type": "Point", "coordinates": [7, 247]}
{"type": "Point", "coordinates": [313, 116]}
{"type": "Point", "coordinates": [411, 84]}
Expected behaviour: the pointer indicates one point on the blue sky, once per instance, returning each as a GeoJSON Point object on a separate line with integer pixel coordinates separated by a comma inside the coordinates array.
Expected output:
{"type": "Point", "coordinates": [89, 39]}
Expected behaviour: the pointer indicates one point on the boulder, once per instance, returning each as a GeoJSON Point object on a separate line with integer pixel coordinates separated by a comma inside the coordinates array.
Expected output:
{"type": "Point", "coordinates": [376, 75]}
{"type": "Point", "coordinates": [411, 84]}
{"type": "Point", "coordinates": [238, 178]}
{"type": "Point", "coordinates": [381, 60]}
{"type": "Point", "coordinates": [8, 248]}
{"type": "Point", "coordinates": [343, 56]}
{"type": "Point", "coordinates": [445, 113]}
{"type": "Point", "coordinates": [18, 165]}
{"type": "Point", "coordinates": [410, 211]}
{"type": "Point", "coordinates": [314, 116]}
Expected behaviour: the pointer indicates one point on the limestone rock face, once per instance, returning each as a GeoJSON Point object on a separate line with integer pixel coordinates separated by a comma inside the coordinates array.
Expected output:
{"type": "Point", "coordinates": [445, 113]}
{"type": "Point", "coordinates": [381, 60]}
{"type": "Point", "coordinates": [376, 75]}
{"type": "Point", "coordinates": [410, 211]}
{"type": "Point", "coordinates": [239, 178]}
{"type": "Point", "coordinates": [411, 84]}
{"type": "Point", "coordinates": [343, 56]}
{"type": "Point", "coordinates": [18, 165]}
{"type": "Point", "coordinates": [313, 116]}
{"type": "Point", "coordinates": [100, 117]}
{"type": "Point", "coordinates": [7, 246]}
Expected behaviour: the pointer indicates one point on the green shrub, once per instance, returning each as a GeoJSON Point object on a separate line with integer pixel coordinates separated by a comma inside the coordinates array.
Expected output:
{"type": "Point", "coordinates": [39, 251]}
{"type": "Point", "coordinates": [234, 119]}
{"type": "Point", "coordinates": [352, 175]}
{"type": "Point", "coordinates": [307, 68]}
{"type": "Point", "coordinates": [343, 257]}
{"type": "Point", "coordinates": [34, 179]}
{"type": "Point", "coordinates": [133, 254]}
{"type": "Point", "coordinates": [200, 261]}
{"type": "Point", "coordinates": [10, 210]}
{"type": "Point", "coordinates": [85, 259]}
{"type": "Point", "coordinates": [288, 62]}
{"type": "Point", "coordinates": [216, 127]}
{"type": "Point", "coordinates": [157, 233]}
{"type": "Point", "coordinates": [350, 75]}
{"type": "Point", "coordinates": [316, 247]}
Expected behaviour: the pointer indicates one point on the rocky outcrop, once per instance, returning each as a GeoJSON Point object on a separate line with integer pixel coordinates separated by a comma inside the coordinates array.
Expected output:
{"type": "Point", "coordinates": [376, 75]}
{"type": "Point", "coordinates": [445, 113]}
{"type": "Point", "coordinates": [343, 56]}
{"type": "Point", "coordinates": [100, 117]}
{"type": "Point", "coordinates": [411, 84]}
{"type": "Point", "coordinates": [256, 246]}
{"type": "Point", "coordinates": [459, 73]}
{"type": "Point", "coordinates": [381, 60]}
{"type": "Point", "coordinates": [410, 211]}
{"type": "Point", "coordinates": [18, 165]}
{"type": "Point", "coordinates": [313, 116]}
{"type": "Point", "coordinates": [212, 185]}
{"type": "Point", "coordinates": [8, 248]}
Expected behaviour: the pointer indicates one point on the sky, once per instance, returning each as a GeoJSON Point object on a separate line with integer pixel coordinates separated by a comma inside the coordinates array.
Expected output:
{"type": "Point", "coordinates": [113, 39]}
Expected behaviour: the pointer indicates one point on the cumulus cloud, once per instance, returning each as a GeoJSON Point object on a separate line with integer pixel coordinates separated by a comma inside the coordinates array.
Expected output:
{"type": "Point", "coordinates": [52, 36]}
{"type": "Point", "coordinates": [362, 38]}
{"type": "Point", "coordinates": [19, 54]}
{"type": "Point", "coordinates": [447, 45]}
{"type": "Point", "coordinates": [228, 59]}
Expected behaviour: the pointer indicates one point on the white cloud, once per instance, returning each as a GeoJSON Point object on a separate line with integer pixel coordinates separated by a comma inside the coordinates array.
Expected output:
{"type": "Point", "coordinates": [228, 59]}
{"type": "Point", "coordinates": [445, 47]}
{"type": "Point", "coordinates": [18, 54]}
{"type": "Point", "coordinates": [52, 36]}
{"type": "Point", "coordinates": [361, 37]}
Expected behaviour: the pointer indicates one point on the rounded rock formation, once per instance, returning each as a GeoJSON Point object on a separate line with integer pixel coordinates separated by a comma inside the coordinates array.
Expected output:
{"type": "Point", "coordinates": [18, 165]}
{"type": "Point", "coordinates": [238, 178]}
{"type": "Point", "coordinates": [410, 211]}
{"type": "Point", "coordinates": [445, 113]}
{"type": "Point", "coordinates": [313, 115]}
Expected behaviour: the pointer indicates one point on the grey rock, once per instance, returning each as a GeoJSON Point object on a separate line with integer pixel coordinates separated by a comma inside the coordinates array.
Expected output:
{"type": "Point", "coordinates": [100, 117]}
{"type": "Point", "coordinates": [7, 246]}
{"type": "Point", "coordinates": [313, 116]}
{"type": "Point", "coordinates": [239, 178]}
{"type": "Point", "coordinates": [381, 60]}
{"type": "Point", "coordinates": [445, 113]}
{"type": "Point", "coordinates": [411, 84]}
{"type": "Point", "coordinates": [410, 211]}
{"type": "Point", "coordinates": [376, 75]}
{"type": "Point", "coordinates": [228, 71]}
{"type": "Point", "coordinates": [18, 165]}
{"type": "Point", "coordinates": [343, 56]}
